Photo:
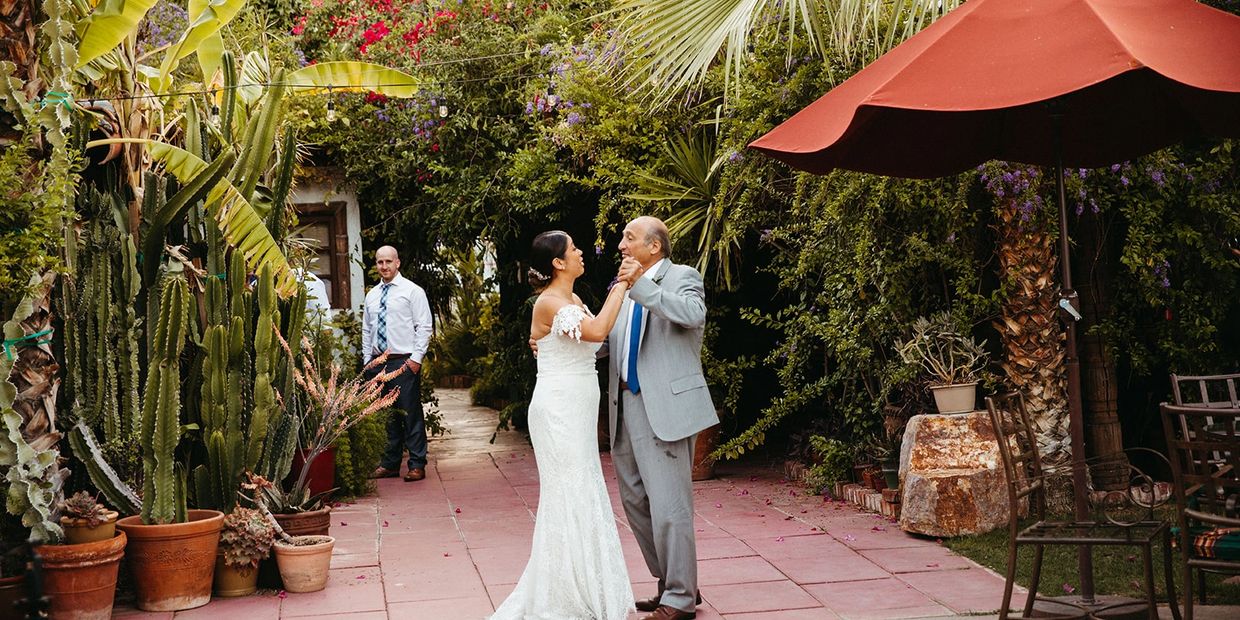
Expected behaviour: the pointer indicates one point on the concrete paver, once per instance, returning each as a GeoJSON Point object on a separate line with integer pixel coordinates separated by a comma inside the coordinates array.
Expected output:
{"type": "Point", "coordinates": [453, 546]}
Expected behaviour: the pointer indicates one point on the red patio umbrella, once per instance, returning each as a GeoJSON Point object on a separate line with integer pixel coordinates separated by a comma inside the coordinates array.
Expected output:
{"type": "Point", "coordinates": [1084, 83]}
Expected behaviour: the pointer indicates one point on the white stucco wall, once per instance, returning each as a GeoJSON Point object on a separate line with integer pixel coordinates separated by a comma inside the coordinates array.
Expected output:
{"type": "Point", "coordinates": [323, 186]}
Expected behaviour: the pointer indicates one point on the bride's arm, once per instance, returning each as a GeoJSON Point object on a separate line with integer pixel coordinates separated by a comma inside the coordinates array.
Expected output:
{"type": "Point", "coordinates": [596, 328]}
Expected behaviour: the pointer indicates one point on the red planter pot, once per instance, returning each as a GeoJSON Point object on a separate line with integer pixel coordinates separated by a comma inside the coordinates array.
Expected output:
{"type": "Point", "coordinates": [322, 477]}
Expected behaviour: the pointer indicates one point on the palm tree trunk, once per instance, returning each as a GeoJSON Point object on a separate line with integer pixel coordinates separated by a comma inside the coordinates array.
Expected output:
{"type": "Point", "coordinates": [1033, 338]}
{"type": "Point", "coordinates": [18, 29]}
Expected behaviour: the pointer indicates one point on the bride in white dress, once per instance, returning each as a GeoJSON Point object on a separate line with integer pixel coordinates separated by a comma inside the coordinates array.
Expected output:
{"type": "Point", "coordinates": [576, 569]}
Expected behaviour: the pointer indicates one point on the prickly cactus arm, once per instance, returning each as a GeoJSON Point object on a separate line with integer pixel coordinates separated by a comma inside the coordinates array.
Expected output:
{"type": "Point", "coordinates": [161, 428]}
{"type": "Point", "coordinates": [266, 353]}
{"type": "Point", "coordinates": [102, 476]}
{"type": "Point", "coordinates": [130, 336]}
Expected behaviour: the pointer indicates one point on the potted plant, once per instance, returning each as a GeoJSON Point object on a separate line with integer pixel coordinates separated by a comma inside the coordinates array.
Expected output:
{"type": "Point", "coordinates": [245, 541]}
{"type": "Point", "coordinates": [952, 361]}
{"type": "Point", "coordinates": [171, 549]}
{"type": "Point", "coordinates": [85, 520]}
{"type": "Point", "coordinates": [14, 554]}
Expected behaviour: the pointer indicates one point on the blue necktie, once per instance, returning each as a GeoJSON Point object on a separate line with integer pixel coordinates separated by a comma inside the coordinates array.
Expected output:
{"type": "Point", "coordinates": [381, 343]}
{"type": "Point", "coordinates": [635, 338]}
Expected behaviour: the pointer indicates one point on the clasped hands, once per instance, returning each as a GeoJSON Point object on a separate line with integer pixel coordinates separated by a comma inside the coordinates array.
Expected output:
{"type": "Point", "coordinates": [630, 271]}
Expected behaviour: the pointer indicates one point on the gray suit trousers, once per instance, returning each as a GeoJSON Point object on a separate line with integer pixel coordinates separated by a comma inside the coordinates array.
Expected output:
{"type": "Point", "coordinates": [656, 478]}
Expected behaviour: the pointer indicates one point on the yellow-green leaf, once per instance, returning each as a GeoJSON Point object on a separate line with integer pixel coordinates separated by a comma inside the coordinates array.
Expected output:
{"type": "Point", "coordinates": [347, 76]}
{"type": "Point", "coordinates": [240, 224]}
{"type": "Point", "coordinates": [206, 18]}
{"type": "Point", "coordinates": [108, 25]}
{"type": "Point", "coordinates": [210, 56]}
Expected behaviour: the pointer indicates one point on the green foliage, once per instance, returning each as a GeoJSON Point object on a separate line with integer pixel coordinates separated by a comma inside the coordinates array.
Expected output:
{"type": "Point", "coordinates": [357, 451]}
{"type": "Point", "coordinates": [31, 221]}
{"type": "Point", "coordinates": [834, 461]}
{"type": "Point", "coordinates": [945, 354]}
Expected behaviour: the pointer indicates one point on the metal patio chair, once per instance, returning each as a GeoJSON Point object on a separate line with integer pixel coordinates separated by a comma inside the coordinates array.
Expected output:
{"type": "Point", "coordinates": [1026, 480]}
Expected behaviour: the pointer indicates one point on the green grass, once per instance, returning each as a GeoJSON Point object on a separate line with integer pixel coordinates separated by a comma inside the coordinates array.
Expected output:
{"type": "Point", "coordinates": [1117, 570]}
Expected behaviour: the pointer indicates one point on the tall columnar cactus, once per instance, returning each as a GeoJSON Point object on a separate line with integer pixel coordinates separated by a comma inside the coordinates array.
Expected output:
{"type": "Point", "coordinates": [163, 499]}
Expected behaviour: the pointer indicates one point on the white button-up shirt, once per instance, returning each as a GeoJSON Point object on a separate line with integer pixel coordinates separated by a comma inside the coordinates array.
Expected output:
{"type": "Point", "coordinates": [408, 320]}
{"type": "Point", "coordinates": [631, 348]}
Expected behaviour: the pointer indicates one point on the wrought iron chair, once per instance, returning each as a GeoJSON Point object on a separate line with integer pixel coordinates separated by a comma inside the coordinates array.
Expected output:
{"type": "Point", "coordinates": [1026, 480]}
{"type": "Point", "coordinates": [1204, 445]}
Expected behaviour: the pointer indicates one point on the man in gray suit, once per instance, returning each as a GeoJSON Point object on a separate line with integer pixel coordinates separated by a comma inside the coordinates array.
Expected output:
{"type": "Point", "coordinates": [658, 402]}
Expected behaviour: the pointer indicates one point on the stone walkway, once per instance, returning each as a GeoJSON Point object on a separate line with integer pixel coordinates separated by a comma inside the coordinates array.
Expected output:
{"type": "Point", "coordinates": [452, 546]}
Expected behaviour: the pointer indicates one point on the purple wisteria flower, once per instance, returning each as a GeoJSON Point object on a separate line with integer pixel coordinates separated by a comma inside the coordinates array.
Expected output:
{"type": "Point", "coordinates": [735, 157]}
{"type": "Point", "coordinates": [572, 119]}
{"type": "Point", "coordinates": [163, 25]}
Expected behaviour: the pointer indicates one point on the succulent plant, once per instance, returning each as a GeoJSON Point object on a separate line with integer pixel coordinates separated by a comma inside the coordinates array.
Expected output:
{"type": "Point", "coordinates": [85, 507]}
{"type": "Point", "coordinates": [246, 537]}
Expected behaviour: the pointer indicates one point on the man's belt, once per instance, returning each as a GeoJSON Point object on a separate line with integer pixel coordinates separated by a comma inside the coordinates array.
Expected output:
{"type": "Point", "coordinates": [395, 356]}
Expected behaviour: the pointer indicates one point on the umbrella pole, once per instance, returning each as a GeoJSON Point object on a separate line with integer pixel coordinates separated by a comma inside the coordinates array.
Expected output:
{"type": "Point", "coordinates": [1076, 416]}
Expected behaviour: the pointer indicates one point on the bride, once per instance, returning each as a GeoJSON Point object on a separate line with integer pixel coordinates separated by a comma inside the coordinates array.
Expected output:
{"type": "Point", "coordinates": [576, 569]}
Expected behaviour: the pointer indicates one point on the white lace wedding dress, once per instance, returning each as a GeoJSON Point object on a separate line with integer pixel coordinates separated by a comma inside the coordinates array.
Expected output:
{"type": "Point", "coordinates": [576, 569]}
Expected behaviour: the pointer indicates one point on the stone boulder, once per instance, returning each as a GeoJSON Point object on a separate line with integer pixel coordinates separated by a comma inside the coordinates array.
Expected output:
{"type": "Point", "coordinates": [952, 476]}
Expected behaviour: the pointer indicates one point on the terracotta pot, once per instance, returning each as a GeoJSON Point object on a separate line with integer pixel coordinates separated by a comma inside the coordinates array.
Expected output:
{"type": "Point", "coordinates": [77, 531]}
{"type": "Point", "coordinates": [312, 523]}
{"type": "Point", "coordinates": [961, 398]}
{"type": "Point", "coordinates": [12, 589]}
{"type": "Point", "coordinates": [231, 581]}
{"type": "Point", "coordinates": [173, 564]}
{"type": "Point", "coordinates": [322, 476]}
{"type": "Point", "coordinates": [80, 579]}
{"type": "Point", "coordinates": [706, 442]}
{"type": "Point", "coordinates": [304, 566]}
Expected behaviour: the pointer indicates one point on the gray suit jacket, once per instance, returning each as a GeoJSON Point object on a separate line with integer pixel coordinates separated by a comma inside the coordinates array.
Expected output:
{"type": "Point", "coordinates": [669, 360]}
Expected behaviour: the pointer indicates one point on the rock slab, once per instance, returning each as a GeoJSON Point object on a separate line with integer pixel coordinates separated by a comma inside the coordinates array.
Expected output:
{"type": "Point", "coordinates": [952, 476]}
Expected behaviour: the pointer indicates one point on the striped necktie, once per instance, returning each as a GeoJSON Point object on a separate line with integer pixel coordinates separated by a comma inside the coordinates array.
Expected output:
{"type": "Point", "coordinates": [381, 341]}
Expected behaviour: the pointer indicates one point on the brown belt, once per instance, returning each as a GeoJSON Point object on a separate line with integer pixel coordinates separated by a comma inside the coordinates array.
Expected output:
{"type": "Point", "coordinates": [624, 385]}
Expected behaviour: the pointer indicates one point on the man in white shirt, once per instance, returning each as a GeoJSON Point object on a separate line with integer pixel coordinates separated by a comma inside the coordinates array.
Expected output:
{"type": "Point", "coordinates": [397, 319]}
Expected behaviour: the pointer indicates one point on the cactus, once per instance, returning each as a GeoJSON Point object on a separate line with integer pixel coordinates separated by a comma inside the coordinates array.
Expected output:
{"type": "Point", "coordinates": [162, 486]}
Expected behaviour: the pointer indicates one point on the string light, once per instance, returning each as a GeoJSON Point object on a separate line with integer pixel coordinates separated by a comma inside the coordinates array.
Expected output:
{"type": "Point", "coordinates": [331, 106]}
{"type": "Point", "coordinates": [443, 111]}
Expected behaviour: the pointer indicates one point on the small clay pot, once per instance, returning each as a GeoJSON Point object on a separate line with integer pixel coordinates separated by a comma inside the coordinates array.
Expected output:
{"type": "Point", "coordinates": [304, 563]}
{"type": "Point", "coordinates": [312, 523]}
{"type": "Point", "coordinates": [79, 531]}
{"type": "Point", "coordinates": [231, 581]}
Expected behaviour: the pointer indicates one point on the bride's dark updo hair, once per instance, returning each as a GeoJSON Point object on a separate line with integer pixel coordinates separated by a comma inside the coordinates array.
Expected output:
{"type": "Point", "coordinates": [547, 247]}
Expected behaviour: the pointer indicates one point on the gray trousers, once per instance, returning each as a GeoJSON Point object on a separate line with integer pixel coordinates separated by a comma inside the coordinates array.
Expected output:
{"type": "Point", "coordinates": [656, 487]}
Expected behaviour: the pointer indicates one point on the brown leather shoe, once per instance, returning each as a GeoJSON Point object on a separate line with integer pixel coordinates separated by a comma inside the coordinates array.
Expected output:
{"type": "Point", "coordinates": [652, 603]}
{"type": "Point", "coordinates": [665, 612]}
{"type": "Point", "coordinates": [383, 472]}
{"type": "Point", "coordinates": [415, 474]}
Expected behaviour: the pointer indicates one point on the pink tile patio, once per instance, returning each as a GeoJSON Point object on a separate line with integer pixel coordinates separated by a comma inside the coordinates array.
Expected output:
{"type": "Point", "coordinates": [453, 546]}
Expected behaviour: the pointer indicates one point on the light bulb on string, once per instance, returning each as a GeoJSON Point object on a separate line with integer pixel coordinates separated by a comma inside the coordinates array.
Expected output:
{"type": "Point", "coordinates": [443, 111]}
{"type": "Point", "coordinates": [331, 107]}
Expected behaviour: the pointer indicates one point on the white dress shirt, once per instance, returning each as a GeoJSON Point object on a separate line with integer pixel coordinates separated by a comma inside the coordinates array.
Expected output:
{"type": "Point", "coordinates": [316, 292]}
{"type": "Point", "coordinates": [408, 320]}
{"type": "Point", "coordinates": [628, 325]}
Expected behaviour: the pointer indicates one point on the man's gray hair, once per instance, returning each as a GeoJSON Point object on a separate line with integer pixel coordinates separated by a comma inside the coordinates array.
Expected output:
{"type": "Point", "coordinates": [655, 232]}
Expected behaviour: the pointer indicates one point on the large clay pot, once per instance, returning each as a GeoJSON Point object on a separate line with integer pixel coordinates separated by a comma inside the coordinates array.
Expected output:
{"type": "Point", "coordinates": [12, 589]}
{"type": "Point", "coordinates": [322, 476]}
{"type": "Point", "coordinates": [77, 531]}
{"type": "Point", "coordinates": [304, 563]}
{"type": "Point", "coordinates": [173, 564]}
{"type": "Point", "coordinates": [80, 579]}
{"type": "Point", "coordinates": [961, 398]}
{"type": "Point", "coordinates": [312, 523]}
{"type": "Point", "coordinates": [706, 442]}
{"type": "Point", "coordinates": [231, 581]}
